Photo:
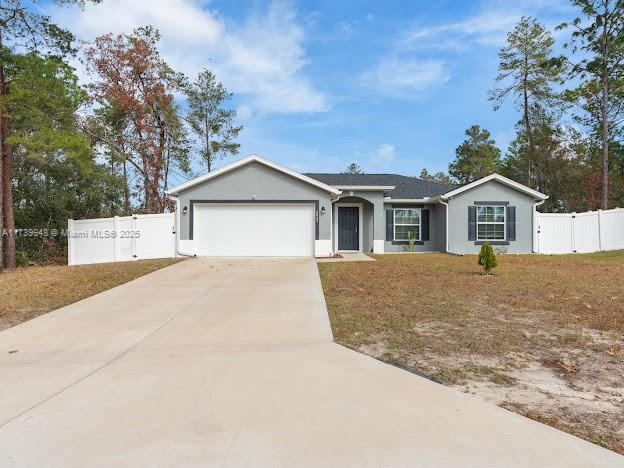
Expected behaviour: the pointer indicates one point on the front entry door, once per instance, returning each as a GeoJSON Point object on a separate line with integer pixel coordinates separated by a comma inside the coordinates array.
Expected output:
{"type": "Point", "coordinates": [348, 225]}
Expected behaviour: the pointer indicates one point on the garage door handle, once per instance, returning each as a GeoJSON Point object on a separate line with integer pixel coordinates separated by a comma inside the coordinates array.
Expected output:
{"type": "Point", "coordinates": [356, 229]}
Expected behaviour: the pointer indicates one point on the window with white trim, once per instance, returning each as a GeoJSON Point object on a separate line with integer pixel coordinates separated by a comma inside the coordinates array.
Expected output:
{"type": "Point", "coordinates": [491, 223]}
{"type": "Point", "coordinates": [406, 224]}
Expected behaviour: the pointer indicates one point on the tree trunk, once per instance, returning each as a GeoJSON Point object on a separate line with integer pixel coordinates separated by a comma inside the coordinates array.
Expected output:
{"type": "Point", "coordinates": [604, 186]}
{"type": "Point", "coordinates": [2, 93]}
{"type": "Point", "coordinates": [7, 194]}
{"type": "Point", "coordinates": [146, 190]}
{"type": "Point", "coordinates": [126, 207]}
{"type": "Point", "coordinates": [7, 243]}
{"type": "Point", "coordinates": [527, 122]}
{"type": "Point", "coordinates": [207, 142]}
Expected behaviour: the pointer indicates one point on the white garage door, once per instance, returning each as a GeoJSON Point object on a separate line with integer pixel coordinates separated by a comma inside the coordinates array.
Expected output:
{"type": "Point", "coordinates": [254, 230]}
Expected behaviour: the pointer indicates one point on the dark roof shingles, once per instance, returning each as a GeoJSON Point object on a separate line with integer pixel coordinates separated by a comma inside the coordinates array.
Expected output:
{"type": "Point", "coordinates": [405, 187]}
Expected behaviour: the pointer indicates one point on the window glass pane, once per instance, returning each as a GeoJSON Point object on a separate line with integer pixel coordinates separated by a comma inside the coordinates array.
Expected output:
{"type": "Point", "coordinates": [404, 232]}
{"type": "Point", "coordinates": [406, 217]}
{"type": "Point", "coordinates": [483, 214]}
{"type": "Point", "coordinates": [491, 232]}
{"type": "Point", "coordinates": [491, 214]}
{"type": "Point", "coordinates": [499, 214]}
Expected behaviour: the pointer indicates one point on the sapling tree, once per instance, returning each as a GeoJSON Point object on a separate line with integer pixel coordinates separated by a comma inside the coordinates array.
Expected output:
{"type": "Point", "coordinates": [411, 240]}
{"type": "Point", "coordinates": [487, 258]}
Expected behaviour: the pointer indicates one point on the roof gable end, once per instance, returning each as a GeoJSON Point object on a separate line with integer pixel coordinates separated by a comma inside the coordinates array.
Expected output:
{"type": "Point", "coordinates": [501, 179]}
{"type": "Point", "coordinates": [248, 160]}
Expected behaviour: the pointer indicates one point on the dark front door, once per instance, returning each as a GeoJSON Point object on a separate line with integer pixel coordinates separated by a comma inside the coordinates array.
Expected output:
{"type": "Point", "coordinates": [348, 223]}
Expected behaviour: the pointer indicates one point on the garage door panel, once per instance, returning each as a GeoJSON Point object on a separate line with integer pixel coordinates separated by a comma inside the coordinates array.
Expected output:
{"type": "Point", "coordinates": [254, 230]}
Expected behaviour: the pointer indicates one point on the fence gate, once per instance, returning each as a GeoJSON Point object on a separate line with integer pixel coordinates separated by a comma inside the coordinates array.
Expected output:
{"type": "Point", "coordinates": [592, 231]}
{"type": "Point", "coordinates": [122, 238]}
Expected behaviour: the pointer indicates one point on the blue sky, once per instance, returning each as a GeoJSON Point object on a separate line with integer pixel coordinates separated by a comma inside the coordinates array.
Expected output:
{"type": "Point", "coordinates": [390, 85]}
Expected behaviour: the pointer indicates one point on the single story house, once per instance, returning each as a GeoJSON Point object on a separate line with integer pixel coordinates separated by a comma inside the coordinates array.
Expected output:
{"type": "Point", "coordinates": [255, 207]}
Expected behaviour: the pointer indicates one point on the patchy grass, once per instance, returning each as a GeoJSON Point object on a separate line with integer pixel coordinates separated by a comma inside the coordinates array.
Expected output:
{"type": "Point", "coordinates": [31, 291]}
{"type": "Point", "coordinates": [543, 336]}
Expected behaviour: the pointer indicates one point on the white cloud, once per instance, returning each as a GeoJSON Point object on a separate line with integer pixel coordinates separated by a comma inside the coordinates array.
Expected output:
{"type": "Point", "coordinates": [405, 77]}
{"type": "Point", "coordinates": [412, 63]}
{"type": "Point", "coordinates": [385, 152]}
{"type": "Point", "coordinates": [261, 58]}
{"type": "Point", "coordinates": [486, 28]}
{"type": "Point", "coordinates": [244, 112]}
{"type": "Point", "coordinates": [380, 159]}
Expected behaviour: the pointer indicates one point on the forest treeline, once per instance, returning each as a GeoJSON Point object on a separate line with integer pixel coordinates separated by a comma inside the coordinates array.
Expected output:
{"type": "Point", "coordinates": [106, 147]}
{"type": "Point", "coordinates": [569, 135]}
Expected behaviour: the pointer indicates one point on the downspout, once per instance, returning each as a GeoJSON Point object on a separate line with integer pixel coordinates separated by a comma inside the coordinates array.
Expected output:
{"type": "Point", "coordinates": [446, 225]}
{"type": "Point", "coordinates": [535, 226]}
{"type": "Point", "coordinates": [177, 229]}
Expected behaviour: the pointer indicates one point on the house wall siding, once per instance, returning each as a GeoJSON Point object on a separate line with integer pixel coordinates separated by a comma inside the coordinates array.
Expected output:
{"type": "Point", "coordinates": [439, 220]}
{"type": "Point", "coordinates": [433, 244]}
{"type": "Point", "coordinates": [261, 182]}
{"type": "Point", "coordinates": [490, 191]}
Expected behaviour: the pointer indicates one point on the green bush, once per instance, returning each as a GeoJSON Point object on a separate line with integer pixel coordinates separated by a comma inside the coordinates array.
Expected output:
{"type": "Point", "coordinates": [487, 258]}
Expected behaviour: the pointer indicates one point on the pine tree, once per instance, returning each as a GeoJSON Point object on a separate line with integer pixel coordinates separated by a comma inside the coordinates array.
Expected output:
{"type": "Point", "coordinates": [210, 120]}
{"type": "Point", "coordinates": [599, 38]}
{"type": "Point", "coordinates": [476, 157]}
{"type": "Point", "coordinates": [528, 71]}
{"type": "Point", "coordinates": [22, 28]}
{"type": "Point", "coordinates": [353, 168]}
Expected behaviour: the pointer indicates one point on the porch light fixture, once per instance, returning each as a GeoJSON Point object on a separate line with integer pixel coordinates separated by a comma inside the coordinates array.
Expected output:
{"type": "Point", "coordinates": [322, 210]}
{"type": "Point", "coordinates": [184, 210]}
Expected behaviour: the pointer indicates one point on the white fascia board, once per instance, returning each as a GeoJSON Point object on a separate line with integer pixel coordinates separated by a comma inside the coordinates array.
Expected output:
{"type": "Point", "coordinates": [366, 188]}
{"type": "Point", "coordinates": [249, 159]}
{"type": "Point", "coordinates": [498, 178]}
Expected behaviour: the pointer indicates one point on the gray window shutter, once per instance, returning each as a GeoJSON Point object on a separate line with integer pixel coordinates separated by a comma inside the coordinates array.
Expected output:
{"type": "Point", "coordinates": [424, 235]}
{"type": "Point", "coordinates": [472, 223]}
{"type": "Point", "coordinates": [511, 223]}
{"type": "Point", "coordinates": [389, 225]}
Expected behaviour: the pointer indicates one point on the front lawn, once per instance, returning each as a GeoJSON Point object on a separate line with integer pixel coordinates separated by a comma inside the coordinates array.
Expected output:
{"type": "Point", "coordinates": [542, 337]}
{"type": "Point", "coordinates": [28, 292]}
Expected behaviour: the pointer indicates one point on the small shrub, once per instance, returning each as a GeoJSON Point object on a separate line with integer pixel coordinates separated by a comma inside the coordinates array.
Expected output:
{"type": "Point", "coordinates": [487, 258]}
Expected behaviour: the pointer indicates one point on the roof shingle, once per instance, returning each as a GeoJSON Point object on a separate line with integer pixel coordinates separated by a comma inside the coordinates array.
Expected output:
{"type": "Point", "coordinates": [405, 187]}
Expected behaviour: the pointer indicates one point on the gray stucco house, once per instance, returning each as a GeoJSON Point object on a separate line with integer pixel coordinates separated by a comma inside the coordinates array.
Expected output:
{"type": "Point", "coordinates": [255, 207]}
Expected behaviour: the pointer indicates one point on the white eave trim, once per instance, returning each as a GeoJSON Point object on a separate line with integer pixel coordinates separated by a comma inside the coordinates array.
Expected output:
{"type": "Point", "coordinates": [498, 178]}
{"type": "Point", "coordinates": [249, 159]}
{"type": "Point", "coordinates": [366, 188]}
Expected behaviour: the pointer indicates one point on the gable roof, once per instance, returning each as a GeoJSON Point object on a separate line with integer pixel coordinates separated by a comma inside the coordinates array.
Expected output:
{"type": "Point", "coordinates": [243, 162]}
{"type": "Point", "coordinates": [396, 186]}
{"type": "Point", "coordinates": [498, 178]}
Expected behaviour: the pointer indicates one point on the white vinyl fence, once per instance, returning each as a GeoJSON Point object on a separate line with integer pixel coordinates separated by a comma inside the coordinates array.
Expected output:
{"type": "Point", "coordinates": [121, 238]}
{"type": "Point", "coordinates": [593, 231]}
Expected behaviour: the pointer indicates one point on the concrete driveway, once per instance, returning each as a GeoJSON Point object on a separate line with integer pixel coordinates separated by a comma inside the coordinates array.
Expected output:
{"type": "Point", "coordinates": [230, 362]}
